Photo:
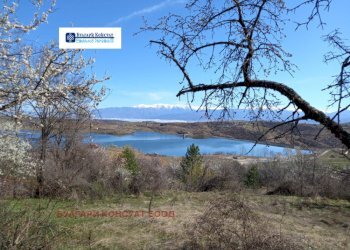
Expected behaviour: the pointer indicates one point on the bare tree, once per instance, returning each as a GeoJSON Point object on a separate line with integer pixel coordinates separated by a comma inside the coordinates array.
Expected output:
{"type": "Point", "coordinates": [239, 43]}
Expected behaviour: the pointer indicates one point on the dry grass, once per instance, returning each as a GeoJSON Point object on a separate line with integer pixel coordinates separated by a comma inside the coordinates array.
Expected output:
{"type": "Point", "coordinates": [319, 222]}
{"type": "Point", "coordinates": [231, 223]}
{"type": "Point", "coordinates": [316, 223]}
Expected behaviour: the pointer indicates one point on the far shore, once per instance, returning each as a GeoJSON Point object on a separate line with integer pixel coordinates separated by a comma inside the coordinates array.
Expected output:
{"type": "Point", "coordinates": [236, 130]}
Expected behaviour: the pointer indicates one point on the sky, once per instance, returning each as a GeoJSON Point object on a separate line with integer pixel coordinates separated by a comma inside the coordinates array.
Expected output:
{"type": "Point", "coordinates": [139, 76]}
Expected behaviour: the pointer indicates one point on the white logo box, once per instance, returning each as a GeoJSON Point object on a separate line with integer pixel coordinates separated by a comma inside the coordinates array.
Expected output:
{"type": "Point", "coordinates": [90, 38]}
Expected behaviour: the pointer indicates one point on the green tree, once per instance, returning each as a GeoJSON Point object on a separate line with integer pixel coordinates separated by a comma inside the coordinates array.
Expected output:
{"type": "Point", "coordinates": [252, 177]}
{"type": "Point", "coordinates": [192, 167]}
{"type": "Point", "coordinates": [131, 163]}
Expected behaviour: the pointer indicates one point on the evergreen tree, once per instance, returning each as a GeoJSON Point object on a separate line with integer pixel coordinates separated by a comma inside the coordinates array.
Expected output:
{"type": "Point", "coordinates": [252, 177]}
{"type": "Point", "coordinates": [131, 163]}
{"type": "Point", "coordinates": [192, 167]}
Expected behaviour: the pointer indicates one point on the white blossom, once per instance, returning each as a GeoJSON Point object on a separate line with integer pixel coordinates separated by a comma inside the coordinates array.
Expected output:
{"type": "Point", "coordinates": [15, 159]}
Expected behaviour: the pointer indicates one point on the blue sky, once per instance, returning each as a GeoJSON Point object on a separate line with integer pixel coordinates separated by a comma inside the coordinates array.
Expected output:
{"type": "Point", "coordinates": [139, 76]}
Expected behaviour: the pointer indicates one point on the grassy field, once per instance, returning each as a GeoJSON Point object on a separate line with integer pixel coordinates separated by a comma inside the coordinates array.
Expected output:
{"type": "Point", "coordinates": [314, 222]}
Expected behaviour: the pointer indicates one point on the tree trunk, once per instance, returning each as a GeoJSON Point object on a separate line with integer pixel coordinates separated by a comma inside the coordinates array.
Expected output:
{"type": "Point", "coordinates": [39, 174]}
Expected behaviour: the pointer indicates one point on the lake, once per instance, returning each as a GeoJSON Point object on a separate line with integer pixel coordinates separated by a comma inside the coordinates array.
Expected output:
{"type": "Point", "coordinates": [176, 145]}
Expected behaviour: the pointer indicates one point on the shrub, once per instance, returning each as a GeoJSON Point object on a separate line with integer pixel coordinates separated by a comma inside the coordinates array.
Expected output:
{"type": "Point", "coordinates": [222, 174]}
{"type": "Point", "coordinates": [15, 158]}
{"type": "Point", "coordinates": [80, 172]}
{"type": "Point", "coordinates": [303, 175]}
{"type": "Point", "coordinates": [153, 175]}
{"type": "Point", "coordinates": [229, 223]}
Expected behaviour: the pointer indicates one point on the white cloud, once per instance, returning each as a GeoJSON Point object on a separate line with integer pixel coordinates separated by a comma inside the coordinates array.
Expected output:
{"type": "Point", "coordinates": [148, 10]}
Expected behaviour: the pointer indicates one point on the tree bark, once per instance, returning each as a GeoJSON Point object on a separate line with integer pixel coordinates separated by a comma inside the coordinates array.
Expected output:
{"type": "Point", "coordinates": [40, 175]}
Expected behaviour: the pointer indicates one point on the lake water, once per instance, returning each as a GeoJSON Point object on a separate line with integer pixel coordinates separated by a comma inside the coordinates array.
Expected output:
{"type": "Point", "coordinates": [176, 145]}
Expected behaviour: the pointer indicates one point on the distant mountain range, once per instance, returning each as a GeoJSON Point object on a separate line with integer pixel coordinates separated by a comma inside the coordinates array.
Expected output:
{"type": "Point", "coordinates": [177, 113]}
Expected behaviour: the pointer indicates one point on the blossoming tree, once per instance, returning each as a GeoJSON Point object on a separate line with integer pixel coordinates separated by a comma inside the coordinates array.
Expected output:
{"type": "Point", "coordinates": [50, 84]}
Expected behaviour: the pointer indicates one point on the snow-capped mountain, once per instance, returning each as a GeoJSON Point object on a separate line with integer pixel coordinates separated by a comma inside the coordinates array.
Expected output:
{"type": "Point", "coordinates": [164, 106]}
{"type": "Point", "coordinates": [156, 112]}
{"type": "Point", "coordinates": [182, 113]}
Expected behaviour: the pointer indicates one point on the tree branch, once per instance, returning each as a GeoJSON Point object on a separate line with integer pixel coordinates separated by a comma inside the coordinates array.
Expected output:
{"type": "Point", "coordinates": [309, 111]}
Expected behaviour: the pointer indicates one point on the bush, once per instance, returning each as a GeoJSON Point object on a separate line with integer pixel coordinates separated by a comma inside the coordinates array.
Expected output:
{"type": "Point", "coordinates": [229, 223]}
{"type": "Point", "coordinates": [80, 172]}
{"type": "Point", "coordinates": [153, 174]}
{"type": "Point", "coordinates": [223, 174]}
{"type": "Point", "coordinates": [16, 161]}
{"type": "Point", "coordinates": [303, 175]}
